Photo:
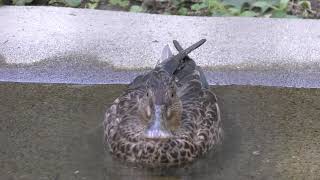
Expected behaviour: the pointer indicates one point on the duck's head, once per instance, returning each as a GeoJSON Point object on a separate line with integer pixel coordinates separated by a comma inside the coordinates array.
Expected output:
{"type": "Point", "coordinates": [160, 108]}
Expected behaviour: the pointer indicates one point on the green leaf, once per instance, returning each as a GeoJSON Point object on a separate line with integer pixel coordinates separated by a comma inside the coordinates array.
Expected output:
{"type": "Point", "coordinates": [55, 3]}
{"type": "Point", "coordinates": [237, 3]}
{"type": "Point", "coordinates": [121, 3]}
{"type": "Point", "coordinates": [69, 3]}
{"type": "Point", "coordinates": [279, 14]}
{"type": "Point", "coordinates": [203, 6]}
{"type": "Point", "coordinates": [263, 6]}
{"type": "Point", "coordinates": [283, 4]}
{"type": "Point", "coordinates": [124, 3]}
{"type": "Point", "coordinates": [234, 11]}
{"type": "Point", "coordinates": [18, 2]}
{"type": "Point", "coordinates": [92, 4]}
{"type": "Point", "coordinates": [249, 14]}
{"type": "Point", "coordinates": [305, 4]}
{"type": "Point", "coordinates": [245, 6]}
{"type": "Point", "coordinates": [176, 2]}
{"type": "Point", "coordinates": [136, 8]}
{"type": "Point", "coordinates": [73, 3]}
{"type": "Point", "coordinates": [113, 2]}
{"type": "Point", "coordinates": [21, 2]}
{"type": "Point", "coordinates": [197, 7]}
{"type": "Point", "coordinates": [183, 11]}
{"type": "Point", "coordinates": [214, 4]}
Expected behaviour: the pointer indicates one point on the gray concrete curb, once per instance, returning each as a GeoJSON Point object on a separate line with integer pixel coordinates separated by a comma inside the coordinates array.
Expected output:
{"type": "Point", "coordinates": [65, 45]}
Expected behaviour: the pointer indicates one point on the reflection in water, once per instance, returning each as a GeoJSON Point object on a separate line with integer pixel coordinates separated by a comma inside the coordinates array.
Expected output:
{"type": "Point", "coordinates": [54, 132]}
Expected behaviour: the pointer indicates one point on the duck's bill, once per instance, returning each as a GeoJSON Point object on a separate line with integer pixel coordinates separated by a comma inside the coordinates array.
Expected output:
{"type": "Point", "coordinates": [156, 129]}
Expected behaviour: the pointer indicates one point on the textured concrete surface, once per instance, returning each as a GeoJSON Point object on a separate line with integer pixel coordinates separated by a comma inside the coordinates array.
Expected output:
{"type": "Point", "coordinates": [64, 45]}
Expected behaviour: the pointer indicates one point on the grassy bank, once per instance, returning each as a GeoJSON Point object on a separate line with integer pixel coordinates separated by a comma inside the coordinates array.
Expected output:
{"type": "Point", "coordinates": [248, 8]}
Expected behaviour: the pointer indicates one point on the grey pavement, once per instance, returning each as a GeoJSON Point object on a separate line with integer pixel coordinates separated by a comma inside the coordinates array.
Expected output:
{"type": "Point", "coordinates": [65, 45]}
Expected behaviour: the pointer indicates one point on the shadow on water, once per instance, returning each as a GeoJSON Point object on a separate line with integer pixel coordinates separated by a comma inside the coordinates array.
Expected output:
{"type": "Point", "coordinates": [54, 132]}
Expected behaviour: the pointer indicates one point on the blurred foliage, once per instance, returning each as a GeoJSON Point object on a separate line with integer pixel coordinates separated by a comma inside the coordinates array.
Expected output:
{"type": "Point", "coordinates": [92, 4]}
{"type": "Point", "coordinates": [64, 3]}
{"type": "Point", "coordinates": [248, 8]}
{"type": "Point", "coordinates": [21, 2]}
{"type": "Point", "coordinates": [121, 3]}
{"type": "Point", "coordinates": [68, 3]}
{"type": "Point", "coordinates": [136, 8]}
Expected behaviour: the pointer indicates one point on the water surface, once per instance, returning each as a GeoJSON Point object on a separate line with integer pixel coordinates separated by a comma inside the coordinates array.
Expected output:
{"type": "Point", "coordinates": [54, 132]}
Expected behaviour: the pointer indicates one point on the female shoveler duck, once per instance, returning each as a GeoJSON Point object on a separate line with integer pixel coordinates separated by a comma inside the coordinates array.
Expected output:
{"type": "Point", "coordinates": [166, 117]}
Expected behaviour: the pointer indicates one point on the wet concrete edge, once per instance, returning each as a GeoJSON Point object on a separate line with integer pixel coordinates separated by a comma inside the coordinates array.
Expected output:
{"type": "Point", "coordinates": [90, 71]}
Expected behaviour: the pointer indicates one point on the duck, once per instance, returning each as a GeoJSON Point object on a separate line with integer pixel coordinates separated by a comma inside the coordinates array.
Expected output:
{"type": "Point", "coordinates": [167, 116]}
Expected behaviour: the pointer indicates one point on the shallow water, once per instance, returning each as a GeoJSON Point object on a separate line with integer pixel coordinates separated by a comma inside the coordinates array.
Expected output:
{"type": "Point", "coordinates": [54, 132]}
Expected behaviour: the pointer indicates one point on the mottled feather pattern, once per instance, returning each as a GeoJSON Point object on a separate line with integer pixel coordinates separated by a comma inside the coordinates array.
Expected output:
{"type": "Point", "coordinates": [200, 130]}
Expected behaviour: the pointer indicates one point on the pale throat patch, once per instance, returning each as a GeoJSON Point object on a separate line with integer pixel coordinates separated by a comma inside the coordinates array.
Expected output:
{"type": "Point", "coordinates": [157, 130]}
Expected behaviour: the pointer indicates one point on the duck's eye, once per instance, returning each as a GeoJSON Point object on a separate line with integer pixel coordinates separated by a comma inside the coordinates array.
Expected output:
{"type": "Point", "coordinates": [147, 94]}
{"type": "Point", "coordinates": [172, 95]}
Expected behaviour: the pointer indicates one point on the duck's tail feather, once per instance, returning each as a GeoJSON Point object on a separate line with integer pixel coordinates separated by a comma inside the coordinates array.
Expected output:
{"type": "Point", "coordinates": [188, 69]}
{"type": "Point", "coordinates": [179, 48]}
{"type": "Point", "coordinates": [175, 61]}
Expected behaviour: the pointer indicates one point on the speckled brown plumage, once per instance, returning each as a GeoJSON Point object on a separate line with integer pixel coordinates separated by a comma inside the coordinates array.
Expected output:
{"type": "Point", "coordinates": [193, 122]}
